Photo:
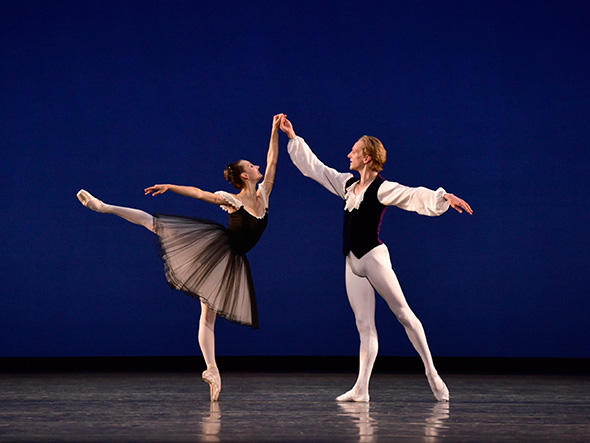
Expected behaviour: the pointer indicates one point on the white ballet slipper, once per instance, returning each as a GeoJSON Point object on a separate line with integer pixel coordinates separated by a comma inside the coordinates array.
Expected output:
{"type": "Point", "coordinates": [438, 387]}
{"type": "Point", "coordinates": [212, 377]}
{"type": "Point", "coordinates": [90, 201]}
{"type": "Point", "coordinates": [353, 396]}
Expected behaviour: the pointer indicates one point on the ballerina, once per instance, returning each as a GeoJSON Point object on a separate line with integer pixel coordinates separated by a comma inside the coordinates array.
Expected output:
{"type": "Point", "coordinates": [204, 259]}
{"type": "Point", "coordinates": [368, 266]}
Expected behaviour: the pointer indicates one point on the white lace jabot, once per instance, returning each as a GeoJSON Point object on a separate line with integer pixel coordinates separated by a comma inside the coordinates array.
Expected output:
{"type": "Point", "coordinates": [352, 200]}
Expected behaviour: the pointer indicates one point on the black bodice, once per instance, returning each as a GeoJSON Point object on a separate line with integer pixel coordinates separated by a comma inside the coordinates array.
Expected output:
{"type": "Point", "coordinates": [362, 225]}
{"type": "Point", "coordinates": [245, 229]}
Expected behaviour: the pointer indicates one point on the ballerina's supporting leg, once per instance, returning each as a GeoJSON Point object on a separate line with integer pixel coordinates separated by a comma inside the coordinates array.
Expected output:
{"type": "Point", "coordinates": [207, 344]}
{"type": "Point", "coordinates": [132, 215]}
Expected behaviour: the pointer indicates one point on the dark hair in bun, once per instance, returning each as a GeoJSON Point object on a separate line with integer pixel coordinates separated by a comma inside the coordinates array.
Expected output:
{"type": "Point", "coordinates": [232, 174]}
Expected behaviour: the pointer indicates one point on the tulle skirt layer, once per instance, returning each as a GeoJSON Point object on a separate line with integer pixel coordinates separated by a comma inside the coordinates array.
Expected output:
{"type": "Point", "coordinates": [199, 260]}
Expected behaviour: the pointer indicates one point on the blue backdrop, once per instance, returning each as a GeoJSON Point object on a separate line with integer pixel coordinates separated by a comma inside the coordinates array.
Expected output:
{"type": "Point", "coordinates": [488, 99]}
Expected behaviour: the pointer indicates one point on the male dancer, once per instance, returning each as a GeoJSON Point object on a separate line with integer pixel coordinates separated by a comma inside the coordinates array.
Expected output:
{"type": "Point", "coordinates": [368, 266]}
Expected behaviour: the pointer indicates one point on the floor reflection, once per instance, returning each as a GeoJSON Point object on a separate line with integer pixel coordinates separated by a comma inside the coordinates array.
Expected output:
{"type": "Point", "coordinates": [359, 412]}
{"type": "Point", "coordinates": [211, 423]}
{"type": "Point", "coordinates": [435, 423]}
{"type": "Point", "coordinates": [435, 420]}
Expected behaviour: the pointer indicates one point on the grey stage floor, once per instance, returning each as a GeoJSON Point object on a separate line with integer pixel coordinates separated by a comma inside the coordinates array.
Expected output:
{"type": "Point", "coordinates": [290, 407]}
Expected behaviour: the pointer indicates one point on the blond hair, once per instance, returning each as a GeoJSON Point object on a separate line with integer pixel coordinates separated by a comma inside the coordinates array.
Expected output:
{"type": "Point", "coordinates": [373, 147]}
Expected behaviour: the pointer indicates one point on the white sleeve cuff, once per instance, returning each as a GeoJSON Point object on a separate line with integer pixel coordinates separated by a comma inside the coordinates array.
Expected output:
{"type": "Point", "coordinates": [441, 202]}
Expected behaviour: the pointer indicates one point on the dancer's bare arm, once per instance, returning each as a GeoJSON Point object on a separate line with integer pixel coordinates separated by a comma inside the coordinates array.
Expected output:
{"type": "Point", "coordinates": [187, 191]}
{"type": "Point", "coordinates": [273, 154]}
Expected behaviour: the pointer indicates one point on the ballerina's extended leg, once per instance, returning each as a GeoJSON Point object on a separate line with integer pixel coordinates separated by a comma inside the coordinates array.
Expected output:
{"type": "Point", "coordinates": [132, 215]}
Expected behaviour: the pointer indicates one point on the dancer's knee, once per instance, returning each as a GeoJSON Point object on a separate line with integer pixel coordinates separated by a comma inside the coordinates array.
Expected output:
{"type": "Point", "coordinates": [150, 224]}
{"type": "Point", "coordinates": [406, 317]}
{"type": "Point", "coordinates": [207, 315]}
{"type": "Point", "coordinates": [367, 332]}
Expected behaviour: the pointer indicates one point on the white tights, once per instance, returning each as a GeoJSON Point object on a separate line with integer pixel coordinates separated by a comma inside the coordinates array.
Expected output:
{"type": "Point", "coordinates": [372, 272]}
{"type": "Point", "coordinates": [207, 335]}
{"type": "Point", "coordinates": [136, 216]}
{"type": "Point", "coordinates": [207, 320]}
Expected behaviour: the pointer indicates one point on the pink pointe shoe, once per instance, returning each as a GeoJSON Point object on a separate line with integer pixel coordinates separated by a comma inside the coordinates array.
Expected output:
{"type": "Point", "coordinates": [90, 201]}
{"type": "Point", "coordinates": [212, 377]}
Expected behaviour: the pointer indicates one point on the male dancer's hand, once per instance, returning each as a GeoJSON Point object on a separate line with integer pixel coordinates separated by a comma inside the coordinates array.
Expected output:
{"type": "Point", "coordinates": [458, 203]}
{"type": "Point", "coordinates": [287, 127]}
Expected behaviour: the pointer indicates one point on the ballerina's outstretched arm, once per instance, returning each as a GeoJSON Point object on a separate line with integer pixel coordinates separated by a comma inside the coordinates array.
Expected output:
{"type": "Point", "coordinates": [187, 191]}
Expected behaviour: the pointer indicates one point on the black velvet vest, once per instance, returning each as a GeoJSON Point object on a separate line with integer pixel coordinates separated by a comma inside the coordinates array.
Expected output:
{"type": "Point", "coordinates": [362, 225]}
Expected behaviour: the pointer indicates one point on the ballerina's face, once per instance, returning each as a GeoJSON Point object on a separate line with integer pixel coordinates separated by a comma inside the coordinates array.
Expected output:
{"type": "Point", "coordinates": [252, 171]}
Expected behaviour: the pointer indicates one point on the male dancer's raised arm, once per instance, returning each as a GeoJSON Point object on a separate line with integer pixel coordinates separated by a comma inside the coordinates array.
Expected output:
{"type": "Point", "coordinates": [310, 166]}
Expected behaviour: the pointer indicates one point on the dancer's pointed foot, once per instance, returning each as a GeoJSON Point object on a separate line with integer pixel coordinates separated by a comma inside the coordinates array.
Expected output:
{"type": "Point", "coordinates": [353, 395]}
{"type": "Point", "coordinates": [90, 201]}
{"type": "Point", "coordinates": [212, 377]}
{"type": "Point", "coordinates": [438, 386]}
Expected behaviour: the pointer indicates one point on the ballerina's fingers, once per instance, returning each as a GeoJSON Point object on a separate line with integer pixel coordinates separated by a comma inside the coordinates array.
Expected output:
{"type": "Point", "coordinates": [156, 190]}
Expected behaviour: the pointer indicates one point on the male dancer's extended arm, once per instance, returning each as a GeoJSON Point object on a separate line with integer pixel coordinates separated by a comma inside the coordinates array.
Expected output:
{"type": "Point", "coordinates": [421, 200]}
{"type": "Point", "coordinates": [310, 166]}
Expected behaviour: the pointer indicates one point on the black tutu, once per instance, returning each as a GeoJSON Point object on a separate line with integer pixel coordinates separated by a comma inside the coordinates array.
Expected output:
{"type": "Point", "coordinates": [200, 261]}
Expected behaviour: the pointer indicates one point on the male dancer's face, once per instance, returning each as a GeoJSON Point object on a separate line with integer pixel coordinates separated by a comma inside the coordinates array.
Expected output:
{"type": "Point", "coordinates": [357, 158]}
